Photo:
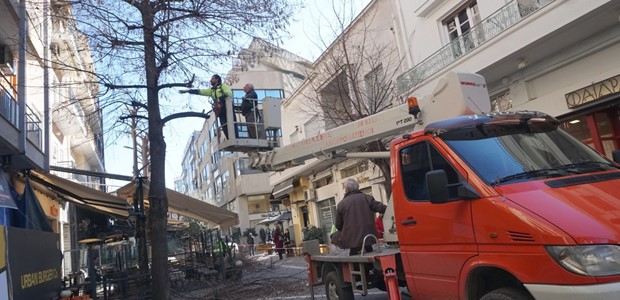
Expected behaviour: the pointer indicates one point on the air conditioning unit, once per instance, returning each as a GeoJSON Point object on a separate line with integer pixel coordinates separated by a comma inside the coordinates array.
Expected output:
{"type": "Point", "coordinates": [6, 60]}
{"type": "Point", "coordinates": [310, 195]}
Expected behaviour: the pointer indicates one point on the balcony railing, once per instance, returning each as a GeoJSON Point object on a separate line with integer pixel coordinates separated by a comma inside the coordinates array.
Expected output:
{"type": "Point", "coordinates": [9, 110]}
{"type": "Point", "coordinates": [507, 16]}
{"type": "Point", "coordinates": [33, 128]}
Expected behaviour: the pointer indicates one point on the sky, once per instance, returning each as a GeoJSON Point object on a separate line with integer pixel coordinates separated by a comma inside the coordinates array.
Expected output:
{"type": "Point", "coordinates": [306, 30]}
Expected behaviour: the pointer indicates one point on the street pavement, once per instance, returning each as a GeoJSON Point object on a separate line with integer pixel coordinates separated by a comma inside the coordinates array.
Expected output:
{"type": "Point", "coordinates": [264, 276]}
{"type": "Point", "coordinates": [295, 267]}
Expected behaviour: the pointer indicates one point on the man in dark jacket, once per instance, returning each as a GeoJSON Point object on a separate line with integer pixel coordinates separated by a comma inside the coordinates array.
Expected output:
{"type": "Point", "coordinates": [248, 109]}
{"type": "Point", "coordinates": [355, 218]}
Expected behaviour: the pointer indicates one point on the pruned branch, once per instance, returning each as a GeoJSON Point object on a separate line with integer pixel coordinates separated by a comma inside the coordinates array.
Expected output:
{"type": "Point", "coordinates": [186, 114]}
{"type": "Point", "coordinates": [120, 86]}
{"type": "Point", "coordinates": [123, 118]}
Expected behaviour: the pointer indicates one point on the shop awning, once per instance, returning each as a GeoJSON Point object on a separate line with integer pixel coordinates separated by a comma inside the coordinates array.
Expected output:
{"type": "Point", "coordinates": [283, 188]}
{"type": "Point", "coordinates": [187, 206]}
{"type": "Point", "coordinates": [283, 216]}
{"type": "Point", "coordinates": [79, 194]}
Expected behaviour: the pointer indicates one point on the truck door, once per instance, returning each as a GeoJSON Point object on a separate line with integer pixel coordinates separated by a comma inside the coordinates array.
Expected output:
{"type": "Point", "coordinates": [435, 239]}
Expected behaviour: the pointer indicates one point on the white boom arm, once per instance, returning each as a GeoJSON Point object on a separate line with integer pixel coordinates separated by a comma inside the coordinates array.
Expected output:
{"type": "Point", "coordinates": [456, 94]}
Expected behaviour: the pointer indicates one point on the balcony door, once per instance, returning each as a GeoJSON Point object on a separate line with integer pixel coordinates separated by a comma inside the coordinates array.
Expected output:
{"type": "Point", "coordinates": [459, 25]}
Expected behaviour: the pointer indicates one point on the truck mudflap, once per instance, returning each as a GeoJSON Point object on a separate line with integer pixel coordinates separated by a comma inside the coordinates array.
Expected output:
{"type": "Point", "coordinates": [388, 263]}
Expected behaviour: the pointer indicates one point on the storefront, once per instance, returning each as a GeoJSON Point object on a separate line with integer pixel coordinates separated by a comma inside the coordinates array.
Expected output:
{"type": "Point", "coordinates": [595, 115]}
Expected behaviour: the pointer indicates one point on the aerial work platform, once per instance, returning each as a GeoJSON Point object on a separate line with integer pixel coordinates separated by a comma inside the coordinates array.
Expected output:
{"type": "Point", "coordinates": [261, 135]}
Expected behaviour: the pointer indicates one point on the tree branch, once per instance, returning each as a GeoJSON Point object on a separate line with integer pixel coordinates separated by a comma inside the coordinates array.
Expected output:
{"type": "Point", "coordinates": [204, 115]}
{"type": "Point", "coordinates": [116, 42]}
{"type": "Point", "coordinates": [188, 84]}
{"type": "Point", "coordinates": [123, 118]}
{"type": "Point", "coordinates": [139, 104]}
{"type": "Point", "coordinates": [120, 86]}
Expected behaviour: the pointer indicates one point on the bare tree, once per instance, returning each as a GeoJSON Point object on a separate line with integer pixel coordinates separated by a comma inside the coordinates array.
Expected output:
{"type": "Point", "coordinates": [355, 77]}
{"type": "Point", "coordinates": [152, 46]}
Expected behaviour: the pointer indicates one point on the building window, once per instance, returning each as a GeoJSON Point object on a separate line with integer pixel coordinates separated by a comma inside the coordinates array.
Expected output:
{"type": "Point", "coordinates": [258, 204]}
{"type": "Point", "coordinates": [261, 93]}
{"type": "Point", "coordinates": [353, 170]}
{"type": "Point", "coordinates": [242, 167]}
{"type": "Point", "coordinates": [459, 26]}
{"type": "Point", "coordinates": [323, 181]}
{"type": "Point", "coordinates": [501, 102]}
{"type": "Point", "coordinates": [375, 87]}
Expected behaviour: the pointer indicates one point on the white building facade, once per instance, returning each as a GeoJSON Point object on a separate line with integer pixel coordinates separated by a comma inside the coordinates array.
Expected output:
{"type": "Point", "coordinates": [62, 120]}
{"type": "Point", "coordinates": [558, 57]}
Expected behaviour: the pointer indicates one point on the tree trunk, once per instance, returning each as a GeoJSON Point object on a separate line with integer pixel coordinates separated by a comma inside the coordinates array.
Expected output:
{"type": "Point", "coordinates": [158, 209]}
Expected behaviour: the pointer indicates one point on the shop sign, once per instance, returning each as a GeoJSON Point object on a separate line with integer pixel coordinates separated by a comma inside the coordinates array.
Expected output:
{"type": "Point", "coordinates": [593, 92]}
{"type": "Point", "coordinates": [34, 262]}
{"type": "Point", "coordinates": [269, 215]}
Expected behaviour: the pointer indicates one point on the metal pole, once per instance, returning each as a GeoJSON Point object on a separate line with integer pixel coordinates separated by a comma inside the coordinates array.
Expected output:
{"type": "Point", "coordinates": [141, 228]}
{"type": "Point", "coordinates": [46, 86]}
{"type": "Point", "coordinates": [21, 77]}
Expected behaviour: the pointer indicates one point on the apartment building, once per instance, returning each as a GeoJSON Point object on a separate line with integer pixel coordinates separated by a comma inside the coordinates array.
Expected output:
{"type": "Point", "coordinates": [547, 55]}
{"type": "Point", "coordinates": [224, 178]}
{"type": "Point", "coordinates": [553, 56]}
{"type": "Point", "coordinates": [50, 116]}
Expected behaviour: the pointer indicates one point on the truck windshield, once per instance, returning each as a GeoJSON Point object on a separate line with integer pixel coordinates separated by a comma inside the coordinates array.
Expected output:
{"type": "Point", "coordinates": [508, 153]}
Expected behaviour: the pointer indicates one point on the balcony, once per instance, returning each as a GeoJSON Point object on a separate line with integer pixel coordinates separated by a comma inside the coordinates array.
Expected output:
{"type": "Point", "coordinates": [498, 22]}
{"type": "Point", "coordinates": [11, 134]}
{"type": "Point", "coordinates": [70, 119]}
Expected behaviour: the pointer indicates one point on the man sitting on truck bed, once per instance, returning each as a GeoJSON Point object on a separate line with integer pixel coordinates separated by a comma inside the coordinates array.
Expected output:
{"type": "Point", "coordinates": [355, 218]}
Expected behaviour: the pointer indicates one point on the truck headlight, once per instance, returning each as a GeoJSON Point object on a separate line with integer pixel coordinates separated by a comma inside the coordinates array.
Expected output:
{"type": "Point", "coordinates": [591, 260]}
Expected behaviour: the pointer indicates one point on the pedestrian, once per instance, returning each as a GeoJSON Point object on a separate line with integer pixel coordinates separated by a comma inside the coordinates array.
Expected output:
{"type": "Point", "coordinates": [278, 241]}
{"type": "Point", "coordinates": [287, 242]}
{"type": "Point", "coordinates": [355, 218]}
{"type": "Point", "coordinates": [251, 244]}
{"type": "Point", "coordinates": [379, 226]}
{"type": "Point", "coordinates": [249, 109]}
{"type": "Point", "coordinates": [269, 234]}
{"type": "Point", "coordinates": [222, 247]}
{"type": "Point", "coordinates": [218, 92]}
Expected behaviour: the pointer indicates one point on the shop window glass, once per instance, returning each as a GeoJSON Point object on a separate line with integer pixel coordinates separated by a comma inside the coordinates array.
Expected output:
{"type": "Point", "coordinates": [578, 128]}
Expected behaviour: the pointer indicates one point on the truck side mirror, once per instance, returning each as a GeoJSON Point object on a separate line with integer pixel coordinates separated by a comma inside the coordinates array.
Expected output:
{"type": "Point", "coordinates": [616, 156]}
{"type": "Point", "coordinates": [437, 186]}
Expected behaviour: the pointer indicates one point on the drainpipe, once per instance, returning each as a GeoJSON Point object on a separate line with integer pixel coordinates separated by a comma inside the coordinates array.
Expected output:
{"type": "Point", "coordinates": [21, 78]}
{"type": "Point", "coordinates": [403, 34]}
{"type": "Point", "coordinates": [46, 87]}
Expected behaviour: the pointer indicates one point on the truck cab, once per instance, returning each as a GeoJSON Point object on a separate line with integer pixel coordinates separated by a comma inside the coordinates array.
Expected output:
{"type": "Point", "coordinates": [505, 206]}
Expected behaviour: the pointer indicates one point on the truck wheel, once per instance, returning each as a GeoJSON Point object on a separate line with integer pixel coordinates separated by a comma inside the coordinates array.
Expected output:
{"type": "Point", "coordinates": [335, 288]}
{"type": "Point", "coordinates": [508, 293]}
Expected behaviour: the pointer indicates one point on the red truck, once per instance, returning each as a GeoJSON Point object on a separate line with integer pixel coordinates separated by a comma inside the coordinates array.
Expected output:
{"type": "Point", "coordinates": [485, 206]}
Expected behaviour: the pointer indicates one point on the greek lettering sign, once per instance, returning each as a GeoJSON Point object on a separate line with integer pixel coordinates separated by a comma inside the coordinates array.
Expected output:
{"type": "Point", "coordinates": [6, 199]}
{"type": "Point", "coordinates": [593, 92]}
